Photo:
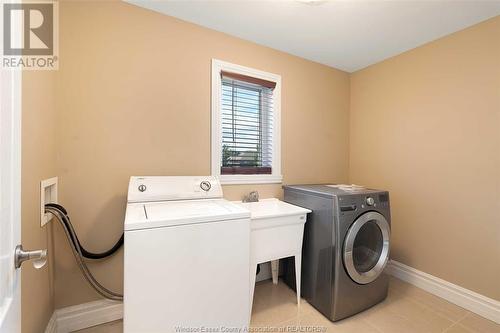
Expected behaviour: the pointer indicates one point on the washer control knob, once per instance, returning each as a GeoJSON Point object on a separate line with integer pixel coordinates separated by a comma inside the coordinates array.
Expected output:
{"type": "Point", "coordinates": [370, 201]}
{"type": "Point", "coordinates": [205, 186]}
{"type": "Point", "coordinates": [142, 188]}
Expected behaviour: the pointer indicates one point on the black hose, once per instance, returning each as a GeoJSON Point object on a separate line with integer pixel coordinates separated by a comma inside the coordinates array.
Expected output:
{"type": "Point", "coordinates": [77, 253]}
{"type": "Point", "coordinates": [87, 254]}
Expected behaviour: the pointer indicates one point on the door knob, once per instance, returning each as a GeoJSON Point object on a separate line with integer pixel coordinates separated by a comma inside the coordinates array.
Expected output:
{"type": "Point", "coordinates": [39, 257]}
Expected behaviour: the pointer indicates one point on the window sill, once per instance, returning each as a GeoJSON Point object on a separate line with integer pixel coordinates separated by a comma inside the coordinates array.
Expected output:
{"type": "Point", "coordinates": [250, 179]}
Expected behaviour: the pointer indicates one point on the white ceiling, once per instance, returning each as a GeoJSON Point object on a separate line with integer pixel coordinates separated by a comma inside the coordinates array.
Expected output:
{"type": "Point", "coordinates": [347, 35]}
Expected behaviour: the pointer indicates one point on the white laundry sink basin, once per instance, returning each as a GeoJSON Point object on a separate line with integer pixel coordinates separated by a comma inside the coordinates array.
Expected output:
{"type": "Point", "coordinates": [270, 213]}
{"type": "Point", "coordinates": [277, 229]}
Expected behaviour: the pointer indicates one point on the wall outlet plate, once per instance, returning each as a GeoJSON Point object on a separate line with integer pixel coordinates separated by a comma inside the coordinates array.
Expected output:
{"type": "Point", "coordinates": [48, 194]}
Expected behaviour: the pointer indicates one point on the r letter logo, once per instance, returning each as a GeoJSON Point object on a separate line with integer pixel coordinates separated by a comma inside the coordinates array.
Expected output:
{"type": "Point", "coordinates": [30, 35]}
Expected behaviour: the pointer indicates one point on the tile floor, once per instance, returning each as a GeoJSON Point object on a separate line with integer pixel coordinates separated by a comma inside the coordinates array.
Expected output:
{"type": "Point", "coordinates": [406, 309]}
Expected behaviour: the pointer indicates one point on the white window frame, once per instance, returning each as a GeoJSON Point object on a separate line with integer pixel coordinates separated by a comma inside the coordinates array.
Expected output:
{"type": "Point", "coordinates": [275, 177]}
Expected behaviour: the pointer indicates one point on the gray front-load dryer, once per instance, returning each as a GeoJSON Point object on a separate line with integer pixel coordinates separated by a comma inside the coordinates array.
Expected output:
{"type": "Point", "coordinates": [346, 247]}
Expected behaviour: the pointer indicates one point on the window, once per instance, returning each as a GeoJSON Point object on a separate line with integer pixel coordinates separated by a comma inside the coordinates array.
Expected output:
{"type": "Point", "coordinates": [245, 124]}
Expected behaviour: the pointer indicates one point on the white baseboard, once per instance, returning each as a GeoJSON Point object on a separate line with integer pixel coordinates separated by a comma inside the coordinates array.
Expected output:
{"type": "Point", "coordinates": [465, 298]}
{"type": "Point", "coordinates": [52, 324]}
{"type": "Point", "coordinates": [85, 315]}
{"type": "Point", "coordinates": [77, 317]}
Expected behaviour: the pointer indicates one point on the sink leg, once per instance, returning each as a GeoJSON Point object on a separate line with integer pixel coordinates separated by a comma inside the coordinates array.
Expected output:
{"type": "Point", "coordinates": [298, 265]}
{"type": "Point", "coordinates": [275, 265]}
{"type": "Point", "coordinates": [253, 270]}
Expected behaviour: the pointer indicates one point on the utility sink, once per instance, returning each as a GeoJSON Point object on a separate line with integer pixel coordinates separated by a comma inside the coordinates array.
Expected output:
{"type": "Point", "coordinates": [277, 229]}
{"type": "Point", "coordinates": [269, 213]}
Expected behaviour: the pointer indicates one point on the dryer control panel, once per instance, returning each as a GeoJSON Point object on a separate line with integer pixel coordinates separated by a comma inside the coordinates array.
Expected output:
{"type": "Point", "coordinates": [360, 202]}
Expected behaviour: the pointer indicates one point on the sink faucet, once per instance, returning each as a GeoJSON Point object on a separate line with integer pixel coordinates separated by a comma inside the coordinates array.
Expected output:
{"type": "Point", "coordinates": [251, 197]}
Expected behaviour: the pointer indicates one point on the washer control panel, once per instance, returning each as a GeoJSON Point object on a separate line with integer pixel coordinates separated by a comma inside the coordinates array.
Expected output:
{"type": "Point", "coordinates": [205, 185]}
{"type": "Point", "coordinates": [166, 188]}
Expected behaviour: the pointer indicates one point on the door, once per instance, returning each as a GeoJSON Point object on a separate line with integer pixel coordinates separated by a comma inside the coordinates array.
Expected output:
{"type": "Point", "coordinates": [10, 199]}
{"type": "Point", "coordinates": [366, 247]}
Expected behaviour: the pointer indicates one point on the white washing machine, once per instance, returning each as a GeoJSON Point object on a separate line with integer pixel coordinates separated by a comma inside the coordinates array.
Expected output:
{"type": "Point", "coordinates": [186, 262]}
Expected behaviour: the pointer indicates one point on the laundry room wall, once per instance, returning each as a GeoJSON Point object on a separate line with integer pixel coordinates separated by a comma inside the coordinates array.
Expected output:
{"type": "Point", "coordinates": [134, 99]}
{"type": "Point", "coordinates": [425, 125]}
{"type": "Point", "coordinates": [38, 162]}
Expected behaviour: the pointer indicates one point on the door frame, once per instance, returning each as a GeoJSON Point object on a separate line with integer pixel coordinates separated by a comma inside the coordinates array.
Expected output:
{"type": "Point", "coordinates": [10, 310]}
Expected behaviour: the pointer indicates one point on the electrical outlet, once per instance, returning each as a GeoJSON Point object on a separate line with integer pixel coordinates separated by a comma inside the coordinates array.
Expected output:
{"type": "Point", "coordinates": [48, 194]}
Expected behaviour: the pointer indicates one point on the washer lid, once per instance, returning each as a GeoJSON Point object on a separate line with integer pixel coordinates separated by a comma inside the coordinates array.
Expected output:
{"type": "Point", "coordinates": [172, 213]}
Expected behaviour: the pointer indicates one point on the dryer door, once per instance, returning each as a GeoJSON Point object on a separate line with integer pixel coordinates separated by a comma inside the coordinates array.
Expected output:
{"type": "Point", "coordinates": [366, 247]}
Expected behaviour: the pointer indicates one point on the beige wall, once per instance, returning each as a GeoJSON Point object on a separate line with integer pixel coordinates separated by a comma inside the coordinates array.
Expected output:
{"type": "Point", "coordinates": [426, 126]}
{"type": "Point", "coordinates": [134, 99]}
{"type": "Point", "coordinates": [38, 162]}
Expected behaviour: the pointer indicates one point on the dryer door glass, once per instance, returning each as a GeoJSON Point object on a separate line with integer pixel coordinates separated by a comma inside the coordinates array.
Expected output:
{"type": "Point", "coordinates": [366, 247]}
